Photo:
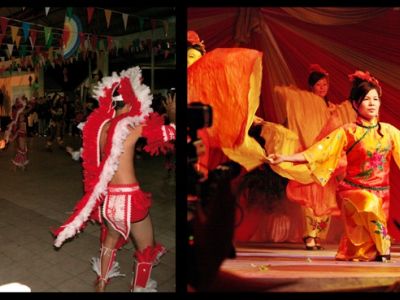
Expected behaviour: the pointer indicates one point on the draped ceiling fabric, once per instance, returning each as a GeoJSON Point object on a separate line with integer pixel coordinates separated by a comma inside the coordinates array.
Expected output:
{"type": "Point", "coordinates": [340, 39]}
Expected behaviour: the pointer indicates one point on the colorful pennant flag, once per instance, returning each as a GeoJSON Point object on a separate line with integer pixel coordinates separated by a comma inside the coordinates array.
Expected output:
{"type": "Point", "coordinates": [25, 29]}
{"type": "Point", "coordinates": [69, 12]}
{"type": "Point", "coordinates": [50, 40]}
{"type": "Point", "coordinates": [32, 37]}
{"type": "Point", "coordinates": [108, 12]}
{"type": "Point", "coordinates": [125, 19]}
{"type": "Point", "coordinates": [90, 11]}
{"type": "Point", "coordinates": [4, 23]}
{"type": "Point", "coordinates": [14, 32]}
{"type": "Point", "coordinates": [47, 33]}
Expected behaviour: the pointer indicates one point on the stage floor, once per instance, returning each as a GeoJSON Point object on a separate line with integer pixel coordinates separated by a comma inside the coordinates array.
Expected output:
{"type": "Point", "coordinates": [289, 268]}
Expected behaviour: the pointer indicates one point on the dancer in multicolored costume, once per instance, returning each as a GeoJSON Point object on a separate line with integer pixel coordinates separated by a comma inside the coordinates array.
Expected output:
{"type": "Point", "coordinates": [112, 193]}
{"type": "Point", "coordinates": [363, 195]}
{"type": "Point", "coordinates": [16, 131]}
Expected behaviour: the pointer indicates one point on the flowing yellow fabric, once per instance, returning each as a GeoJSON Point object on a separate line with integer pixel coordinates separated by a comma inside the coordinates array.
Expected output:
{"type": "Point", "coordinates": [306, 113]}
{"type": "Point", "coordinates": [230, 81]}
{"type": "Point", "coordinates": [249, 153]}
{"type": "Point", "coordinates": [311, 119]}
{"type": "Point", "coordinates": [282, 140]}
{"type": "Point", "coordinates": [324, 156]}
{"type": "Point", "coordinates": [221, 78]}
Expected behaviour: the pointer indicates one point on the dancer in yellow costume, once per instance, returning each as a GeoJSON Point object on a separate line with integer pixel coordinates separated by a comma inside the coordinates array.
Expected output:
{"type": "Point", "coordinates": [363, 195]}
{"type": "Point", "coordinates": [311, 116]}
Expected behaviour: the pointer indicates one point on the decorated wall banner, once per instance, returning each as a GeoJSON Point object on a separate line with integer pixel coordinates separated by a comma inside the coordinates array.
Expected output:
{"type": "Point", "coordinates": [72, 28]}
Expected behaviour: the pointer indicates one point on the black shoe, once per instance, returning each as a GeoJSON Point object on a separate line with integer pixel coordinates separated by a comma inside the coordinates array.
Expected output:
{"type": "Point", "coordinates": [382, 257]}
{"type": "Point", "coordinates": [308, 247]}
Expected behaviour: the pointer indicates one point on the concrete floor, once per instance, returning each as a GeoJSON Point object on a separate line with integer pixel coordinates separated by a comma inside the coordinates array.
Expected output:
{"type": "Point", "coordinates": [40, 198]}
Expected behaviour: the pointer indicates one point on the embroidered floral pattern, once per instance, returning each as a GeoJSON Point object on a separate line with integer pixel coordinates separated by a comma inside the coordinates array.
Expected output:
{"type": "Point", "coordinates": [381, 229]}
{"type": "Point", "coordinates": [375, 162]}
{"type": "Point", "coordinates": [318, 225]}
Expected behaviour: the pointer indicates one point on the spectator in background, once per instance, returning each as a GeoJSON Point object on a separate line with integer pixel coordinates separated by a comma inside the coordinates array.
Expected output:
{"type": "Point", "coordinates": [42, 111]}
{"type": "Point", "coordinates": [56, 125]}
{"type": "Point", "coordinates": [17, 132]}
{"type": "Point", "coordinates": [169, 105]}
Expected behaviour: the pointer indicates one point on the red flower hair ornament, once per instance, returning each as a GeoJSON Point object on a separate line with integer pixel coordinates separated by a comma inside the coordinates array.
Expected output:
{"type": "Point", "coordinates": [364, 76]}
{"type": "Point", "coordinates": [193, 39]}
{"type": "Point", "coordinates": [317, 68]}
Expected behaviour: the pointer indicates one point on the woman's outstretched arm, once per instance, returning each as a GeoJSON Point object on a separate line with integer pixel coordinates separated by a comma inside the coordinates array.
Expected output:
{"type": "Point", "coordinates": [274, 159]}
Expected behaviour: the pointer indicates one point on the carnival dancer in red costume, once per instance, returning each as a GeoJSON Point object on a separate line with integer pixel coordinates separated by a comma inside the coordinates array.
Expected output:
{"type": "Point", "coordinates": [16, 131]}
{"type": "Point", "coordinates": [112, 193]}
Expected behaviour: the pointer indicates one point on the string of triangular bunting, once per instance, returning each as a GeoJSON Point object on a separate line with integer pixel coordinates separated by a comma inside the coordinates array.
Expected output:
{"type": "Point", "coordinates": [87, 40]}
{"type": "Point", "coordinates": [49, 31]}
{"type": "Point", "coordinates": [108, 13]}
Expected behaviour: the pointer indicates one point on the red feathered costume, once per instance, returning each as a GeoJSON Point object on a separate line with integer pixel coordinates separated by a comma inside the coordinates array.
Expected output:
{"type": "Point", "coordinates": [98, 173]}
